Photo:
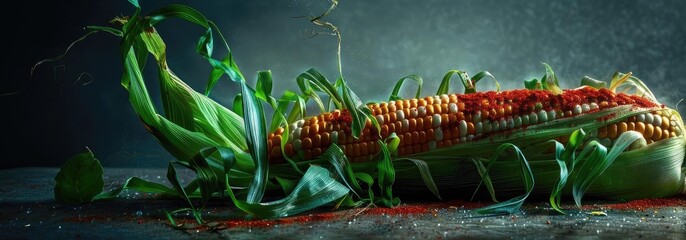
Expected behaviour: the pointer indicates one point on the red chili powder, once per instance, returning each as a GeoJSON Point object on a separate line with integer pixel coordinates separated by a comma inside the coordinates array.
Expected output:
{"type": "Point", "coordinates": [642, 204]}
{"type": "Point", "coordinates": [524, 101]}
{"type": "Point", "coordinates": [405, 210]}
{"type": "Point", "coordinates": [343, 117]}
{"type": "Point", "coordinates": [317, 217]}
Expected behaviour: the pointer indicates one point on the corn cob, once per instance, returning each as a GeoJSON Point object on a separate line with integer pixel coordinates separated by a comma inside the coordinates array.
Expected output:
{"type": "Point", "coordinates": [433, 122]}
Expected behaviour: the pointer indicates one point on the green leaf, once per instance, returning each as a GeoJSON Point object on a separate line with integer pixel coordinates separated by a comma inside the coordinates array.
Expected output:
{"type": "Point", "coordinates": [340, 163]}
{"type": "Point", "coordinates": [597, 159]}
{"type": "Point", "coordinates": [313, 81]}
{"type": "Point", "coordinates": [386, 177]}
{"type": "Point", "coordinates": [597, 84]}
{"type": "Point", "coordinates": [263, 89]}
{"type": "Point", "coordinates": [477, 77]}
{"type": "Point", "coordinates": [485, 179]}
{"type": "Point", "coordinates": [238, 104]}
{"type": "Point", "coordinates": [174, 180]}
{"type": "Point", "coordinates": [566, 160]}
{"type": "Point", "coordinates": [424, 171]}
{"type": "Point", "coordinates": [549, 81]}
{"type": "Point", "coordinates": [444, 88]}
{"type": "Point", "coordinates": [255, 132]}
{"type": "Point", "coordinates": [79, 179]}
{"type": "Point", "coordinates": [396, 90]}
{"type": "Point", "coordinates": [136, 184]}
{"type": "Point", "coordinates": [514, 204]}
{"type": "Point", "coordinates": [316, 188]}
{"type": "Point", "coordinates": [357, 111]}
{"type": "Point", "coordinates": [532, 84]}
{"type": "Point", "coordinates": [299, 110]}
{"type": "Point", "coordinates": [287, 185]}
{"type": "Point", "coordinates": [210, 177]}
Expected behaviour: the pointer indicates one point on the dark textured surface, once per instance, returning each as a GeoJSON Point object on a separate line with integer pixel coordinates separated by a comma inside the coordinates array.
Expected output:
{"type": "Point", "coordinates": [382, 42]}
{"type": "Point", "coordinates": [28, 211]}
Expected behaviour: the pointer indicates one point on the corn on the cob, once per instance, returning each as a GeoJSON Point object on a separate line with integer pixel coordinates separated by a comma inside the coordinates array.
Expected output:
{"type": "Point", "coordinates": [440, 121]}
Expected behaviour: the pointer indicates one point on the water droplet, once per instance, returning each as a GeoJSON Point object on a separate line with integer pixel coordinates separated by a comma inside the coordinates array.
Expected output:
{"type": "Point", "coordinates": [138, 213]}
{"type": "Point", "coordinates": [28, 211]}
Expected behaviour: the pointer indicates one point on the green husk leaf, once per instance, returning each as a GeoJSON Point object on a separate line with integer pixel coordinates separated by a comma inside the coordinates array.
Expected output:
{"type": "Point", "coordinates": [312, 80]}
{"type": "Point", "coordinates": [316, 188]}
{"type": "Point", "coordinates": [255, 132]}
{"type": "Point", "coordinates": [532, 84]}
{"type": "Point", "coordinates": [386, 177]}
{"type": "Point", "coordinates": [263, 89]}
{"type": "Point", "coordinates": [136, 184]}
{"type": "Point", "coordinates": [396, 90]}
{"type": "Point", "coordinates": [174, 180]}
{"type": "Point", "coordinates": [287, 185]}
{"type": "Point", "coordinates": [550, 81]}
{"type": "Point", "coordinates": [238, 104]}
{"type": "Point", "coordinates": [340, 163]}
{"type": "Point", "coordinates": [424, 171]}
{"type": "Point", "coordinates": [209, 177]}
{"type": "Point", "coordinates": [79, 179]}
{"type": "Point", "coordinates": [514, 204]}
{"type": "Point", "coordinates": [566, 159]}
{"type": "Point", "coordinates": [477, 77]}
{"type": "Point", "coordinates": [485, 179]}
{"type": "Point", "coordinates": [358, 111]}
{"type": "Point", "coordinates": [627, 82]}
{"type": "Point", "coordinates": [588, 81]}
{"type": "Point", "coordinates": [598, 160]}
{"type": "Point", "coordinates": [444, 88]}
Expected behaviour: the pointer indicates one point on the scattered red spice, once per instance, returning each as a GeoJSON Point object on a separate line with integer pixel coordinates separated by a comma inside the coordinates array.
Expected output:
{"type": "Point", "coordinates": [343, 117]}
{"type": "Point", "coordinates": [400, 210]}
{"type": "Point", "coordinates": [642, 204]}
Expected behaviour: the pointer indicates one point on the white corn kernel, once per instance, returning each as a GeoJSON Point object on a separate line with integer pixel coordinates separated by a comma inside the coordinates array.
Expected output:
{"type": "Point", "coordinates": [477, 117]}
{"type": "Point", "coordinates": [533, 118]}
{"type": "Point", "coordinates": [641, 118]}
{"type": "Point", "coordinates": [577, 110]}
{"type": "Point", "coordinates": [452, 107]}
{"type": "Point", "coordinates": [487, 126]}
{"type": "Point", "coordinates": [421, 111]}
{"type": "Point", "coordinates": [552, 115]}
{"type": "Point", "coordinates": [542, 116]}
{"type": "Point", "coordinates": [400, 115]}
{"type": "Point", "coordinates": [438, 133]}
{"type": "Point", "coordinates": [649, 118]}
{"type": "Point", "coordinates": [462, 126]}
{"type": "Point", "coordinates": [657, 120]}
{"type": "Point", "coordinates": [594, 106]}
{"type": "Point", "coordinates": [436, 120]}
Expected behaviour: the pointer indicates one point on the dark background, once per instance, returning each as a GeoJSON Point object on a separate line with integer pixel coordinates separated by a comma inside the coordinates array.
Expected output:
{"type": "Point", "coordinates": [51, 118]}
